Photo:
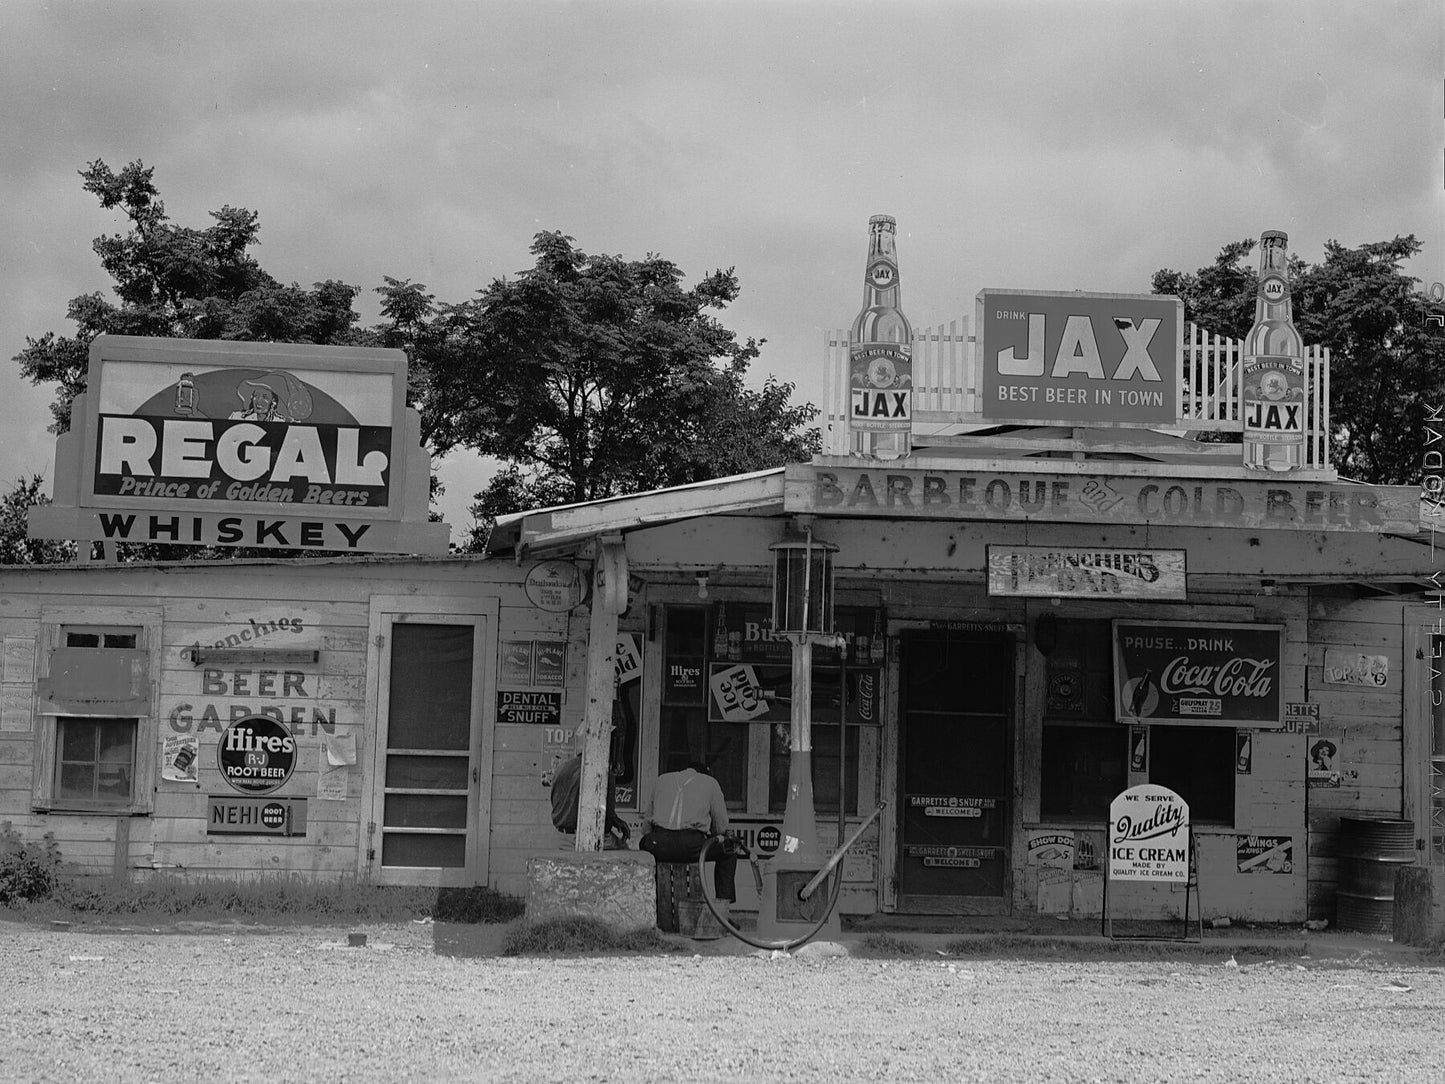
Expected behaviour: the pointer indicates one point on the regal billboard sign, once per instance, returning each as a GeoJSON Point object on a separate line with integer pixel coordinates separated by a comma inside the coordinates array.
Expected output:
{"type": "Point", "coordinates": [1080, 358]}
{"type": "Point", "coordinates": [221, 443]}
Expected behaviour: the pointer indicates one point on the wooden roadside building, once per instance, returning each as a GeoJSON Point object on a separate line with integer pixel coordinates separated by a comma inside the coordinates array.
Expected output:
{"type": "Point", "coordinates": [1037, 608]}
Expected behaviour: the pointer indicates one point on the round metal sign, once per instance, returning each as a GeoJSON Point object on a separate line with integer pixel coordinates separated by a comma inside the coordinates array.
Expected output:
{"type": "Point", "coordinates": [256, 754]}
{"type": "Point", "coordinates": [556, 586]}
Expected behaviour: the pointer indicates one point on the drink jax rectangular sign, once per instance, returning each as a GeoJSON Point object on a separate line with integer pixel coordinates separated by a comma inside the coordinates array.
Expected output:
{"type": "Point", "coordinates": [1080, 358]}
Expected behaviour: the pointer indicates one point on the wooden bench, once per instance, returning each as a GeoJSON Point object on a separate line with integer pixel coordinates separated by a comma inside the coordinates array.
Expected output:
{"type": "Point", "coordinates": [681, 905]}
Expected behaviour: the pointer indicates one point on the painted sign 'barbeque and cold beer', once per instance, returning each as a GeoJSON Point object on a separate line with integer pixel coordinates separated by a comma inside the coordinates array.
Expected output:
{"type": "Point", "coordinates": [243, 444]}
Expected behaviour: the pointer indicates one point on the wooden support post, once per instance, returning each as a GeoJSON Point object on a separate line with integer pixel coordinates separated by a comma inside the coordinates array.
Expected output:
{"type": "Point", "coordinates": [609, 598]}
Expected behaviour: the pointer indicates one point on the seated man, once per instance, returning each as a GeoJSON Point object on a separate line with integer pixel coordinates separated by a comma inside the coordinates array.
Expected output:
{"type": "Point", "coordinates": [567, 793]}
{"type": "Point", "coordinates": [686, 810]}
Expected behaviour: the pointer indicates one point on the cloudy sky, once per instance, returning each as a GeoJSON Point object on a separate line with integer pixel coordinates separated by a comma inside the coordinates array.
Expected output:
{"type": "Point", "coordinates": [1019, 145]}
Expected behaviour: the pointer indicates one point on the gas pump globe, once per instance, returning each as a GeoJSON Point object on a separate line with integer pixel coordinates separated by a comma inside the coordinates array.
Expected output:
{"type": "Point", "coordinates": [803, 584]}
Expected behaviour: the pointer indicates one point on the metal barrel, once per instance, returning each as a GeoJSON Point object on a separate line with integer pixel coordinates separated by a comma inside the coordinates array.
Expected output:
{"type": "Point", "coordinates": [1371, 851]}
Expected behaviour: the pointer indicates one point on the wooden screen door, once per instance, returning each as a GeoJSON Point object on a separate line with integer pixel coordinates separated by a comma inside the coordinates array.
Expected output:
{"type": "Point", "coordinates": [956, 695]}
{"type": "Point", "coordinates": [431, 770]}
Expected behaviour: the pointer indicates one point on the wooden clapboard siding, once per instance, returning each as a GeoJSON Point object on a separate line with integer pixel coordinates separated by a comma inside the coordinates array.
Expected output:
{"type": "Point", "coordinates": [335, 597]}
{"type": "Point", "coordinates": [1365, 721]}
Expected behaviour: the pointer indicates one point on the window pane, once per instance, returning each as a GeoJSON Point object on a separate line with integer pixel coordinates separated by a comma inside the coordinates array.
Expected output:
{"type": "Point", "coordinates": [76, 781]}
{"type": "Point", "coordinates": [686, 630]}
{"type": "Point", "coordinates": [430, 706]}
{"type": "Point", "coordinates": [1196, 763]}
{"type": "Point", "coordinates": [96, 760]}
{"type": "Point", "coordinates": [78, 740]}
{"type": "Point", "coordinates": [430, 773]}
{"type": "Point", "coordinates": [1083, 770]}
{"type": "Point", "coordinates": [426, 811]}
{"type": "Point", "coordinates": [825, 769]}
{"type": "Point", "coordinates": [399, 849]}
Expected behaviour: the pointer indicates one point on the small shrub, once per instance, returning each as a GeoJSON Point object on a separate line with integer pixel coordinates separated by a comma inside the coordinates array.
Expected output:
{"type": "Point", "coordinates": [478, 904]}
{"type": "Point", "coordinates": [28, 871]}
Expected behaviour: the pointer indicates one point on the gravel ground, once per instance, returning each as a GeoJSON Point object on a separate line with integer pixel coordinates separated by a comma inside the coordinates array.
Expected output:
{"type": "Point", "coordinates": [297, 1004]}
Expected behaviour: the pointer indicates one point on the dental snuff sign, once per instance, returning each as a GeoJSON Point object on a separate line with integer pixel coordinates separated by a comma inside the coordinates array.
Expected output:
{"type": "Point", "coordinates": [1148, 835]}
{"type": "Point", "coordinates": [1080, 358]}
{"type": "Point", "coordinates": [219, 443]}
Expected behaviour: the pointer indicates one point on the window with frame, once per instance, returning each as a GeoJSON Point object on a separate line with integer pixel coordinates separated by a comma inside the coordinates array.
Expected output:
{"type": "Point", "coordinates": [93, 749]}
{"type": "Point", "coordinates": [727, 700]}
{"type": "Point", "coordinates": [1084, 757]}
{"type": "Point", "coordinates": [1198, 764]}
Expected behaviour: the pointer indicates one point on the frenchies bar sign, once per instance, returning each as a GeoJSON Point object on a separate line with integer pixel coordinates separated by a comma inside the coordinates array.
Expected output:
{"type": "Point", "coordinates": [1080, 358]}
{"type": "Point", "coordinates": [243, 444]}
{"type": "Point", "coordinates": [1209, 675]}
{"type": "Point", "coordinates": [1091, 572]}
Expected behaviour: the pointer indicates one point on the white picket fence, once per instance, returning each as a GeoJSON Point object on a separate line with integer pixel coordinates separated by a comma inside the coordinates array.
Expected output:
{"type": "Point", "coordinates": [947, 386]}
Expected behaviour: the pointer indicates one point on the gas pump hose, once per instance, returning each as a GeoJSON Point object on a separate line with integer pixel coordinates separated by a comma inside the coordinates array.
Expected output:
{"type": "Point", "coordinates": [829, 867]}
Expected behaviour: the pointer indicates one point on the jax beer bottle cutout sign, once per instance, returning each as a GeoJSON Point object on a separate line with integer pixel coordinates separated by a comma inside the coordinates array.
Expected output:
{"type": "Point", "coordinates": [1274, 368]}
{"type": "Point", "coordinates": [256, 754]}
{"type": "Point", "coordinates": [880, 356]}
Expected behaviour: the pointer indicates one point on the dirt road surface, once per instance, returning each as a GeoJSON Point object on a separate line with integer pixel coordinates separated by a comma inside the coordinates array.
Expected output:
{"type": "Point", "coordinates": [299, 1004]}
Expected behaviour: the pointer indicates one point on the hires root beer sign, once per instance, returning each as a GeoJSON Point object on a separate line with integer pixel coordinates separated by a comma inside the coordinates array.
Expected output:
{"type": "Point", "coordinates": [243, 444]}
{"type": "Point", "coordinates": [1224, 675]}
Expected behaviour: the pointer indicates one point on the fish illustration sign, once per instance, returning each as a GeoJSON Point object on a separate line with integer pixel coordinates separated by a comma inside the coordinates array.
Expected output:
{"type": "Point", "coordinates": [243, 444]}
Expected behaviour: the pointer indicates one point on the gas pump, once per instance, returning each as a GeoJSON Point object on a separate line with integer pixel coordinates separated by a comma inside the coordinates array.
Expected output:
{"type": "Point", "coordinates": [791, 910]}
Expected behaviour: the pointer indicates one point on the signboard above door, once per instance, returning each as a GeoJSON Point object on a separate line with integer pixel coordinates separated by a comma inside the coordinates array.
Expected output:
{"type": "Point", "coordinates": [1092, 572]}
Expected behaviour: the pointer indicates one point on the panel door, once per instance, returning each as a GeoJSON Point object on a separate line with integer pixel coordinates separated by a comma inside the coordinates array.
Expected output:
{"type": "Point", "coordinates": [956, 701]}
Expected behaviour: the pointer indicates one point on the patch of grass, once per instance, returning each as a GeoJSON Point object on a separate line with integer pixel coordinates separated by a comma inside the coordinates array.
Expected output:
{"type": "Point", "coordinates": [478, 904]}
{"type": "Point", "coordinates": [890, 946]}
{"type": "Point", "coordinates": [1037, 947]}
{"type": "Point", "coordinates": [288, 898]}
{"type": "Point", "coordinates": [575, 935]}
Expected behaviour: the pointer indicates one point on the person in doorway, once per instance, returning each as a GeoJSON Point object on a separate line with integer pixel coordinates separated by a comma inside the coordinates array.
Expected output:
{"type": "Point", "coordinates": [566, 796]}
{"type": "Point", "coordinates": [686, 811]}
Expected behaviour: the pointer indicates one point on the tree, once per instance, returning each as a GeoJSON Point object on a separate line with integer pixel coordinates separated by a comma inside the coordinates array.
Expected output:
{"type": "Point", "coordinates": [15, 547]}
{"type": "Point", "coordinates": [592, 375]}
{"type": "Point", "coordinates": [1387, 365]}
{"type": "Point", "coordinates": [175, 281]}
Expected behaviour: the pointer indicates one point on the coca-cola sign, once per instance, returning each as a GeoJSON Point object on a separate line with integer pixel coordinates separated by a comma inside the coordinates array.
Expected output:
{"type": "Point", "coordinates": [1212, 675]}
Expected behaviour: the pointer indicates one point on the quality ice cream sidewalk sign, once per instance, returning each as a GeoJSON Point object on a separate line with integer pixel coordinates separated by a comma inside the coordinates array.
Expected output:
{"type": "Point", "coordinates": [1148, 835]}
{"type": "Point", "coordinates": [243, 444]}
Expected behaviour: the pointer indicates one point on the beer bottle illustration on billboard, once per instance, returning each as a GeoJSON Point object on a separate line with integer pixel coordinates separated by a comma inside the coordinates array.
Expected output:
{"type": "Point", "coordinates": [880, 355]}
{"type": "Point", "coordinates": [1273, 398]}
